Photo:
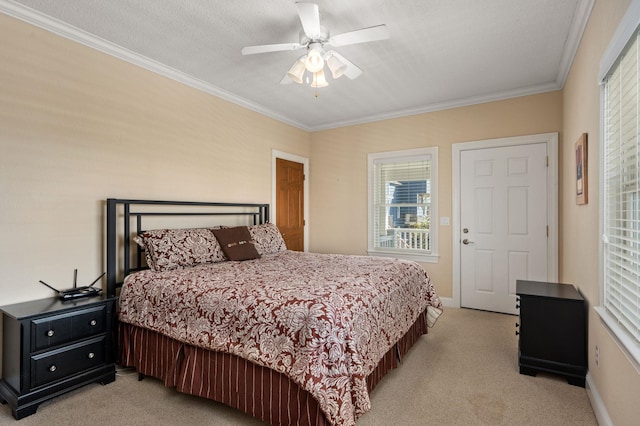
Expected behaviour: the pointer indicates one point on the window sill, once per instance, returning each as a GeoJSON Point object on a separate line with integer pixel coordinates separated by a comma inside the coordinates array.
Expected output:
{"type": "Point", "coordinates": [620, 336]}
{"type": "Point", "coordinates": [424, 258]}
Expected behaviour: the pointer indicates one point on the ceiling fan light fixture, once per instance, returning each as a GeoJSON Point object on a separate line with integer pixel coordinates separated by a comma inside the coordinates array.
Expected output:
{"type": "Point", "coordinates": [314, 61]}
{"type": "Point", "coordinates": [296, 72]}
{"type": "Point", "coordinates": [336, 66]}
{"type": "Point", "coordinates": [315, 38]}
{"type": "Point", "coordinates": [319, 80]}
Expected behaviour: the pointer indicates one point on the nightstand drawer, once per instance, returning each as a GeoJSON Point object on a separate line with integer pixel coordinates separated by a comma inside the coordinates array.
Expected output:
{"type": "Point", "coordinates": [50, 366]}
{"type": "Point", "coordinates": [58, 329]}
{"type": "Point", "coordinates": [52, 346]}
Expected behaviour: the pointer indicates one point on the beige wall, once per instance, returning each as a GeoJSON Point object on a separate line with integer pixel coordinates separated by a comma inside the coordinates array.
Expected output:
{"type": "Point", "coordinates": [617, 381]}
{"type": "Point", "coordinates": [339, 166]}
{"type": "Point", "coordinates": [78, 126]}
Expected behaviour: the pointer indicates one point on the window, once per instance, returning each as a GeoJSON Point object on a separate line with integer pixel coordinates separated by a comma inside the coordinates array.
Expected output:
{"type": "Point", "coordinates": [620, 200]}
{"type": "Point", "coordinates": [403, 204]}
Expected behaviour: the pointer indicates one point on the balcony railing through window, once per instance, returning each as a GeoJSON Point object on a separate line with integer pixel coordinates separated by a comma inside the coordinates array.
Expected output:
{"type": "Point", "coordinates": [407, 239]}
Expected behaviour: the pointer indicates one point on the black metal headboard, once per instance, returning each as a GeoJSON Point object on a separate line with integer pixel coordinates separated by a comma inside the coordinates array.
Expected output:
{"type": "Point", "coordinates": [121, 213]}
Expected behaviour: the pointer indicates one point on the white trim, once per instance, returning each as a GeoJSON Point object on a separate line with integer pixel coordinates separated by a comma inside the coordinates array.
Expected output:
{"type": "Point", "coordinates": [551, 139]}
{"type": "Point", "coordinates": [576, 31]}
{"type": "Point", "coordinates": [627, 345]}
{"type": "Point", "coordinates": [70, 32]}
{"type": "Point", "coordinates": [621, 37]}
{"type": "Point", "coordinates": [425, 258]}
{"type": "Point", "coordinates": [623, 34]}
{"type": "Point", "coordinates": [578, 25]}
{"type": "Point", "coordinates": [597, 404]}
{"type": "Point", "coordinates": [65, 30]}
{"type": "Point", "coordinates": [410, 154]}
{"type": "Point", "coordinates": [447, 302]}
{"type": "Point", "coordinates": [440, 106]}
{"type": "Point", "coordinates": [601, 246]}
{"type": "Point", "coordinates": [305, 166]}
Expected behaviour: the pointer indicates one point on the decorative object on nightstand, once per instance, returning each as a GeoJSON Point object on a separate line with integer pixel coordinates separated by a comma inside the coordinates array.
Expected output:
{"type": "Point", "coordinates": [52, 346]}
{"type": "Point", "coordinates": [552, 330]}
{"type": "Point", "coordinates": [76, 292]}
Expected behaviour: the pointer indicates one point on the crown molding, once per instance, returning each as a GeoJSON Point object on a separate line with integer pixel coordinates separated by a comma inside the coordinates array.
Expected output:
{"type": "Point", "coordinates": [440, 106]}
{"type": "Point", "coordinates": [70, 32]}
{"type": "Point", "coordinates": [578, 25]}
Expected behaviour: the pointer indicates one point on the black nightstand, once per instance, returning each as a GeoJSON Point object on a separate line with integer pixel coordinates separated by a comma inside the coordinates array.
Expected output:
{"type": "Point", "coordinates": [51, 347]}
{"type": "Point", "coordinates": [552, 330]}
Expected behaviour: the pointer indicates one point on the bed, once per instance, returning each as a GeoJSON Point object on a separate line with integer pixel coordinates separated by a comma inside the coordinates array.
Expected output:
{"type": "Point", "coordinates": [225, 312]}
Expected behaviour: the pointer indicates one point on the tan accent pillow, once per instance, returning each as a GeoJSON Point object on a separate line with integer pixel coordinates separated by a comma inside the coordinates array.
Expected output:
{"type": "Point", "coordinates": [236, 243]}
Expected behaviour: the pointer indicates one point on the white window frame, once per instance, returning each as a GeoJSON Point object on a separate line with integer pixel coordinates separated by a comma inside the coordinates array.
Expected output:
{"type": "Point", "coordinates": [404, 155]}
{"type": "Point", "coordinates": [628, 28]}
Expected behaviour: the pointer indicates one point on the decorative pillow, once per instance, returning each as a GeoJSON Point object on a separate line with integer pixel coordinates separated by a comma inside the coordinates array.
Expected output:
{"type": "Point", "coordinates": [147, 253]}
{"type": "Point", "coordinates": [267, 238]}
{"type": "Point", "coordinates": [174, 248]}
{"type": "Point", "coordinates": [236, 243]}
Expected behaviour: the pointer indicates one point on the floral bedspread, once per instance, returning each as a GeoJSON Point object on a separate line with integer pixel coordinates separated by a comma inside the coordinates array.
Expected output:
{"type": "Point", "coordinates": [323, 320]}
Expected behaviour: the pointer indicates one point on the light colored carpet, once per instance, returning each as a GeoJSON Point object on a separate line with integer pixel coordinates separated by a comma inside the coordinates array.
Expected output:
{"type": "Point", "coordinates": [464, 372]}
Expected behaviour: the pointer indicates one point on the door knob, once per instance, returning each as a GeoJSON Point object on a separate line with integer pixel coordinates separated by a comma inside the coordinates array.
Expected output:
{"type": "Point", "coordinates": [466, 241]}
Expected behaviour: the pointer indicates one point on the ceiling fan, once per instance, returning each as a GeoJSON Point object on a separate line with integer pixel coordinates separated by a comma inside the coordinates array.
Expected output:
{"type": "Point", "coordinates": [315, 38]}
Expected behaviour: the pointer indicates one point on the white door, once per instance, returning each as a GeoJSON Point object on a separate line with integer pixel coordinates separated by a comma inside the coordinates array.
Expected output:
{"type": "Point", "coordinates": [503, 219]}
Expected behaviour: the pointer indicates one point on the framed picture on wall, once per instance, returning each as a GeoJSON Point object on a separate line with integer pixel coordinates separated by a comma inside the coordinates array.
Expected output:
{"type": "Point", "coordinates": [581, 170]}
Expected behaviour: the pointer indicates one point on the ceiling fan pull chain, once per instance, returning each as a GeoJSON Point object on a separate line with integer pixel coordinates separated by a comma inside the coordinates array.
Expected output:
{"type": "Point", "coordinates": [315, 79]}
{"type": "Point", "coordinates": [315, 38]}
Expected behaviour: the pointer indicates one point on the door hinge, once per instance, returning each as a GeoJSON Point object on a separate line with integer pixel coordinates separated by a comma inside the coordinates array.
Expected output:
{"type": "Point", "coordinates": [547, 231]}
{"type": "Point", "coordinates": [547, 161]}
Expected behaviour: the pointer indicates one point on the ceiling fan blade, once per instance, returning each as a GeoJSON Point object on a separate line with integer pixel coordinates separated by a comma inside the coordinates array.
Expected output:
{"type": "Point", "coordinates": [352, 71]}
{"type": "Point", "coordinates": [266, 48]}
{"type": "Point", "coordinates": [310, 19]}
{"type": "Point", "coordinates": [379, 32]}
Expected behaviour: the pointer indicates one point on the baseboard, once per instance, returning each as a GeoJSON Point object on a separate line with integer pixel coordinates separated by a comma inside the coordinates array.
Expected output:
{"type": "Point", "coordinates": [602, 416]}
{"type": "Point", "coordinates": [448, 302]}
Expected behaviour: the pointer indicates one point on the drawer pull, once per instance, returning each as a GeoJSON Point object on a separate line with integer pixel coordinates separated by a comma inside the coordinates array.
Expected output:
{"type": "Point", "coordinates": [53, 368]}
{"type": "Point", "coordinates": [91, 355]}
{"type": "Point", "coordinates": [50, 333]}
{"type": "Point", "coordinates": [93, 322]}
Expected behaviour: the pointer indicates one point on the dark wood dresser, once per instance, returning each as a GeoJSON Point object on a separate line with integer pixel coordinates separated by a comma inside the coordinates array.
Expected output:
{"type": "Point", "coordinates": [51, 347]}
{"type": "Point", "coordinates": [552, 330]}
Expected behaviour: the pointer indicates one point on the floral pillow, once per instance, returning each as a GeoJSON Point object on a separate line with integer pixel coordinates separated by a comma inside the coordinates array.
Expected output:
{"type": "Point", "coordinates": [267, 238]}
{"type": "Point", "coordinates": [175, 248]}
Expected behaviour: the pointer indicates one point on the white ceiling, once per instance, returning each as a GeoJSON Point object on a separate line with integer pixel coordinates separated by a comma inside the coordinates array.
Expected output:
{"type": "Point", "coordinates": [440, 54]}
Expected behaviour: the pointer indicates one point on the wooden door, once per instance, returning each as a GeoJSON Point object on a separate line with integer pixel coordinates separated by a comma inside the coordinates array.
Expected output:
{"type": "Point", "coordinates": [290, 202]}
{"type": "Point", "coordinates": [503, 212]}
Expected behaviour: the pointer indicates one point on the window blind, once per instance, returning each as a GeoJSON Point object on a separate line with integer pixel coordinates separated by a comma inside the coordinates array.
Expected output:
{"type": "Point", "coordinates": [402, 204]}
{"type": "Point", "coordinates": [621, 191]}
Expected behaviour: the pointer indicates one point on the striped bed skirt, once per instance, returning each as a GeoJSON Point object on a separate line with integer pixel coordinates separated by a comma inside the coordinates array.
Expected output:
{"type": "Point", "coordinates": [263, 393]}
